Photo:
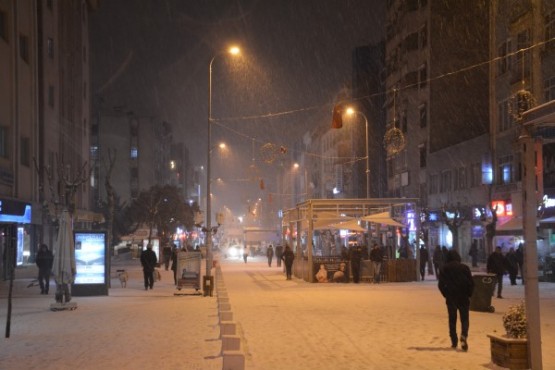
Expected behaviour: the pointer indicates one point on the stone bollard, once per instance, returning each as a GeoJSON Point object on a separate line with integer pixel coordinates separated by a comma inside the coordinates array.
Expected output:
{"type": "Point", "coordinates": [228, 328]}
{"type": "Point", "coordinates": [233, 360]}
{"type": "Point", "coordinates": [231, 343]}
{"type": "Point", "coordinates": [226, 316]}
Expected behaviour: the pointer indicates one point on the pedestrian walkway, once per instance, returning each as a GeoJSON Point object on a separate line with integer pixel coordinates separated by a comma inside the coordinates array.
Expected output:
{"type": "Point", "coordinates": [281, 324]}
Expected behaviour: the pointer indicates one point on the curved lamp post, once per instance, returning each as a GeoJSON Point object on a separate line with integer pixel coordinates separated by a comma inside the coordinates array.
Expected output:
{"type": "Point", "coordinates": [209, 229]}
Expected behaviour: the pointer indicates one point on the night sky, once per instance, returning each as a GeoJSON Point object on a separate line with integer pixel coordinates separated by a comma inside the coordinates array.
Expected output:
{"type": "Point", "coordinates": [152, 58]}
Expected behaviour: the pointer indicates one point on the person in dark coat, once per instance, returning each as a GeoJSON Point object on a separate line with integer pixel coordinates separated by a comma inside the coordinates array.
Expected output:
{"type": "Point", "coordinates": [473, 253]}
{"type": "Point", "coordinates": [356, 257]}
{"type": "Point", "coordinates": [512, 265]}
{"type": "Point", "coordinates": [288, 257]}
{"type": "Point", "coordinates": [44, 261]}
{"type": "Point", "coordinates": [148, 261]}
{"type": "Point", "coordinates": [456, 285]}
{"type": "Point", "coordinates": [497, 264]}
{"type": "Point", "coordinates": [520, 260]}
{"type": "Point", "coordinates": [376, 256]}
{"type": "Point", "coordinates": [437, 260]}
{"type": "Point", "coordinates": [423, 261]}
{"type": "Point", "coordinates": [167, 251]}
{"type": "Point", "coordinates": [279, 253]}
{"type": "Point", "coordinates": [270, 255]}
{"type": "Point", "coordinates": [174, 263]}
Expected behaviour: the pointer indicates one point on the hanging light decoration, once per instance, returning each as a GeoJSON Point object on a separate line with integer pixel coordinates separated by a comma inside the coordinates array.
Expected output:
{"type": "Point", "coordinates": [394, 140]}
{"type": "Point", "coordinates": [520, 102]}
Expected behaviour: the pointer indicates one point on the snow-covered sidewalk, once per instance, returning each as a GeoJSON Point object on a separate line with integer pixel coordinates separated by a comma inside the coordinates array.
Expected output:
{"type": "Point", "coordinates": [282, 324]}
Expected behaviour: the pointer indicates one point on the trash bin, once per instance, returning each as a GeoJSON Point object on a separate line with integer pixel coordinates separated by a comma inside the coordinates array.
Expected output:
{"type": "Point", "coordinates": [484, 285]}
{"type": "Point", "coordinates": [208, 285]}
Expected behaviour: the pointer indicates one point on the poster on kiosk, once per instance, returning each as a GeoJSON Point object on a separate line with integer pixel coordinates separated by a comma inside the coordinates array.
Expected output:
{"type": "Point", "coordinates": [91, 277]}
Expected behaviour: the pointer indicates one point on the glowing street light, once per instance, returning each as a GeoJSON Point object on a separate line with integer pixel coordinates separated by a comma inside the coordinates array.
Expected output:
{"type": "Point", "coordinates": [234, 50]}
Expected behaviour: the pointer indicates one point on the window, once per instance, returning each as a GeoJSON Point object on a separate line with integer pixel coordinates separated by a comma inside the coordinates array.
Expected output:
{"type": "Point", "coordinates": [434, 184]}
{"type": "Point", "coordinates": [549, 89]}
{"type": "Point", "coordinates": [51, 96]}
{"type": "Point", "coordinates": [445, 181]}
{"type": "Point", "coordinates": [503, 52]}
{"type": "Point", "coordinates": [422, 76]}
{"type": "Point", "coordinates": [423, 110]}
{"type": "Point", "coordinates": [505, 170]}
{"type": "Point", "coordinates": [475, 175]}
{"type": "Point", "coordinates": [50, 47]}
{"type": "Point", "coordinates": [3, 25]}
{"type": "Point", "coordinates": [24, 48]}
{"type": "Point", "coordinates": [411, 42]}
{"type": "Point", "coordinates": [550, 28]}
{"type": "Point", "coordinates": [422, 152]}
{"type": "Point", "coordinates": [460, 178]}
{"type": "Point", "coordinates": [24, 151]}
{"type": "Point", "coordinates": [504, 119]}
{"type": "Point", "coordinates": [523, 58]}
{"type": "Point", "coordinates": [134, 152]}
{"type": "Point", "coordinates": [404, 121]}
{"type": "Point", "coordinates": [423, 36]}
{"type": "Point", "coordinates": [4, 150]}
{"type": "Point", "coordinates": [94, 151]}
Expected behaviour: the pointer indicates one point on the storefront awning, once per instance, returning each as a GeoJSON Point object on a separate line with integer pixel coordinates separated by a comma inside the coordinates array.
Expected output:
{"type": "Point", "coordinates": [349, 225]}
{"type": "Point", "coordinates": [382, 218]}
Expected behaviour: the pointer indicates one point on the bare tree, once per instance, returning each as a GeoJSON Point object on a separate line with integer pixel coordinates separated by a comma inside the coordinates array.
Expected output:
{"type": "Point", "coordinates": [110, 195]}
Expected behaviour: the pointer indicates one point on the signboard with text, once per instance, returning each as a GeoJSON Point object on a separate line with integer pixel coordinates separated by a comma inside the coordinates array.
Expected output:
{"type": "Point", "coordinates": [91, 264]}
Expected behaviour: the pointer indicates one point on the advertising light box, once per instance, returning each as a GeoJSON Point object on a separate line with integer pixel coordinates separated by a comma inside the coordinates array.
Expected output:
{"type": "Point", "coordinates": [90, 263]}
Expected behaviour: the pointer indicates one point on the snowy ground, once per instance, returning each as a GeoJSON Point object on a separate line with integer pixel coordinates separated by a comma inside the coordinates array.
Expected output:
{"type": "Point", "coordinates": [282, 324]}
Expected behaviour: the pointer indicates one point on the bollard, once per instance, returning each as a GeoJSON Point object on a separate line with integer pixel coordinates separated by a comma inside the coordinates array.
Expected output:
{"type": "Point", "coordinates": [226, 316]}
{"type": "Point", "coordinates": [228, 328]}
{"type": "Point", "coordinates": [231, 343]}
{"type": "Point", "coordinates": [233, 360]}
{"type": "Point", "coordinates": [225, 307]}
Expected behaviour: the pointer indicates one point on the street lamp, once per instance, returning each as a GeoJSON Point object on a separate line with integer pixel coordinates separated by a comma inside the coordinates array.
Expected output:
{"type": "Point", "coordinates": [351, 111]}
{"type": "Point", "coordinates": [209, 230]}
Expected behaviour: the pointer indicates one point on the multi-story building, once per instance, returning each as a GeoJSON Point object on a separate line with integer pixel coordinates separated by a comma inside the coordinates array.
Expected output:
{"type": "Point", "coordinates": [44, 116]}
{"type": "Point", "coordinates": [437, 96]}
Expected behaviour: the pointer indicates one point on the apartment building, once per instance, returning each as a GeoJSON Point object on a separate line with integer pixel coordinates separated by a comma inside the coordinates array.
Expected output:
{"type": "Point", "coordinates": [44, 116]}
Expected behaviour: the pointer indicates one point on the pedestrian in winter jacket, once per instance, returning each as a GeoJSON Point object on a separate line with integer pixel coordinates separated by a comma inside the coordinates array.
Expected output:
{"type": "Point", "coordinates": [148, 261]}
{"type": "Point", "coordinates": [270, 255]}
{"type": "Point", "coordinates": [456, 285]}
{"type": "Point", "coordinates": [44, 261]}
{"type": "Point", "coordinates": [288, 257]}
{"type": "Point", "coordinates": [437, 260]}
{"type": "Point", "coordinates": [497, 264]}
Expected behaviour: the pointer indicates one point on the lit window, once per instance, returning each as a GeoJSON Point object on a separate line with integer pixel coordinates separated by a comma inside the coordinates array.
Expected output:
{"type": "Point", "coordinates": [134, 153]}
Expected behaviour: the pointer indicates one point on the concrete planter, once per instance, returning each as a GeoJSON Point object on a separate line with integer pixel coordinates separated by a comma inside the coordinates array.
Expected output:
{"type": "Point", "coordinates": [507, 352]}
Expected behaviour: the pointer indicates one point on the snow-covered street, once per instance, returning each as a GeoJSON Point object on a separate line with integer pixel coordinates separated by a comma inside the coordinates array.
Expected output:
{"type": "Point", "coordinates": [282, 324]}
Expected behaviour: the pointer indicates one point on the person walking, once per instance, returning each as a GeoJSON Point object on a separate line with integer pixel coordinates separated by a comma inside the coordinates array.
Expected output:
{"type": "Point", "coordinates": [512, 265]}
{"type": "Point", "coordinates": [497, 265]}
{"type": "Point", "coordinates": [148, 261]}
{"type": "Point", "coordinates": [437, 260]}
{"type": "Point", "coordinates": [288, 257]}
{"type": "Point", "coordinates": [270, 255]}
{"type": "Point", "coordinates": [174, 263]}
{"type": "Point", "coordinates": [279, 253]}
{"type": "Point", "coordinates": [520, 261]}
{"type": "Point", "coordinates": [473, 253]}
{"type": "Point", "coordinates": [423, 261]}
{"type": "Point", "coordinates": [44, 261]}
{"type": "Point", "coordinates": [167, 252]}
{"type": "Point", "coordinates": [356, 257]}
{"type": "Point", "coordinates": [245, 254]}
{"type": "Point", "coordinates": [376, 256]}
{"type": "Point", "coordinates": [456, 285]}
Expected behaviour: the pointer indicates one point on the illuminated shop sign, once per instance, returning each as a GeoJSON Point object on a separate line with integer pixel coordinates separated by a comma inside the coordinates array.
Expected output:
{"type": "Point", "coordinates": [12, 211]}
{"type": "Point", "coordinates": [503, 208]}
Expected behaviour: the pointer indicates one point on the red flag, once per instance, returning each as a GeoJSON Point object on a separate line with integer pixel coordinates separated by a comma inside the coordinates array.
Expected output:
{"type": "Point", "coordinates": [337, 119]}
